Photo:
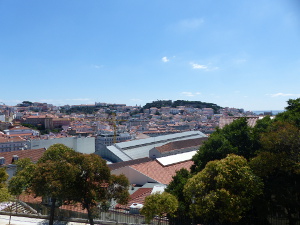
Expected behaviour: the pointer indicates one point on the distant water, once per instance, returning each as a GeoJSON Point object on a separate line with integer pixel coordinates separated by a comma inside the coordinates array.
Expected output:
{"type": "Point", "coordinates": [274, 112]}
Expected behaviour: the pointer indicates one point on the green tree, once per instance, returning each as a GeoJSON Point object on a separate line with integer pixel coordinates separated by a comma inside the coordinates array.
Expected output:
{"type": "Point", "coordinates": [3, 177]}
{"type": "Point", "coordinates": [159, 204]}
{"type": "Point", "coordinates": [223, 191]}
{"type": "Point", "coordinates": [95, 185]}
{"type": "Point", "coordinates": [262, 125]}
{"type": "Point", "coordinates": [292, 113]}
{"type": "Point", "coordinates": [176, 187]}
{"type": "Point", "coordinates": [22, 178]}
{"type": "Point", "coordinates": [4, 194]}
{"type": "Point", "coordinates": [278, 164]}
{"type": "Point", "coordinates": [54, 175]}
{"type": "Point", "coordinates": [236, 138]}
{"type": "Point", "coordinates": [69, 177]}
{"type": "Point", "coordinates": [51, 177]}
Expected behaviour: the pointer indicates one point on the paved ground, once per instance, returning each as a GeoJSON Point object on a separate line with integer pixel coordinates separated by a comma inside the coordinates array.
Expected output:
{"type": "Point", "coordinates": [16, 220]}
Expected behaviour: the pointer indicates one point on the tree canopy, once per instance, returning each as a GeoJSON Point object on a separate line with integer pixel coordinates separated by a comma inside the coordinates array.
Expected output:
{"type": "Point", "coordinates": [23, 176]}
{"type": "Point", "coordinates": [237, 138]}
{"type": "Point", "coordinates": [4, 194]}
{"type": "Point", "coordinates": [159, 204]}
{"type": "Point", "coordinates": [278, 164]}
{"type": "Point", "coordinates": [292, 113]}
{"type": "Point", "coordinates": [223, 190]}
{"type": "Point", "coordinates": [272, 148]}
{"type": "Point", "coordinates": [96, 185]}
{"type": "Point", "coordinates": [176, 187]}
{"type": "Point", "coordinates": [70, 177]}
{"type": "Point", "coordinates": [170, 103]}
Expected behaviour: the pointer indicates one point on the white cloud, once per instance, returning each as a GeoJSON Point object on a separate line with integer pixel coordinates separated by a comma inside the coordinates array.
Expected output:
{"type": "Point", "coordinates": [186, 25]}
{"type": "Point", "coordinates": [165, 59]}
{"type": "Point", "coordinates": [190, 24]}
{"type": "Point", "coordinates": [97, 66]}
{"type": "Point", "coordinates": [283, 95]}
{"type": "Point", "coordinates": [198, 66]}
{"type": "Point", "coordinates": [240, 61]}
{"type": "Point", "coordinates": [190, 94]}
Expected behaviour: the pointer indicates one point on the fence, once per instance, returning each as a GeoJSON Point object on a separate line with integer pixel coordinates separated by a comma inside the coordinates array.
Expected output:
{"type": "Point", "coordinates": [75, 213]}
{"type": "Point", "coordinates": [121, 216]}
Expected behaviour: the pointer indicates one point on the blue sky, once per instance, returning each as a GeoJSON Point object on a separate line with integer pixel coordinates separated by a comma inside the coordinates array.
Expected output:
{"type": "Point", "coordinates": [243, 54]}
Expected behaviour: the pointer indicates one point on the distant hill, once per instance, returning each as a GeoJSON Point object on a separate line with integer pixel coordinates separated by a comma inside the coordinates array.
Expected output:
{"type": "Point", "coordinates": [170, 103]}
{"type": "Point", "coordinates": [80, 109]}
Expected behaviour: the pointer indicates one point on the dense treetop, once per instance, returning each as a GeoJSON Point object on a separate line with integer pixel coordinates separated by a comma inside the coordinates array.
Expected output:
{"type": "Point", "coordinates": [174, 104]}
{"type": "Point", "coordinates": [223, 190]}
{"type": "Point", "coordinates": [265, 156]}
{"type": "Point", "coordinates": [69, 177]}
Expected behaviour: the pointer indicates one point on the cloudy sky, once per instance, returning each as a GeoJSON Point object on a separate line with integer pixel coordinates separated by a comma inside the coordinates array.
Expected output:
{"type": "Point", "coordinates": [243, 54]}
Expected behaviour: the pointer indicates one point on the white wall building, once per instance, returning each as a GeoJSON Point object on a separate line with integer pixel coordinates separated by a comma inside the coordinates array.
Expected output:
{"type": "Point", "coordinates": [2, 118]}
{"type": "Point", "coordinates": [79, 144]}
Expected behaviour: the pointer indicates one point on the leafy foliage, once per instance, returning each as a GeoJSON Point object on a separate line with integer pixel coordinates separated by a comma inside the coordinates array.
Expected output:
{"type": "Point", "coordinates": [81, 109]}
{"type": "Point", "coordinates": [3, 177]}
{"type": "Point", "coordinates": [169, 103]}
{"type": "Point", "coordinates": [96, 185]}
{"type": "Point", "coordinates": [54, 172]}
{"type": "Point", "coordinates": [236, 138]}
{"type": "Point", "coordinates": [176, 188]}
{"type": "Point", "coordinates": [159, 205]}
{"type": "Point", "coordinates": [25, 104]}
{"type": "Point", "coordinates": [278, 163]}
{"type": "Point", "coordinates": [4, 194]}
{"type": "Point", "coordinates": [292, 113]}
{"type": "Point", "coordinates": [177, 184]}
{"type": "Point", "coordinates": [224, 189]}
{"type": "Point", "coordinates": [70, 177]}
{"type": "Point", "coordinates": [158, 104]}
{"type": "Point", "coordinates": [272, 147]}
{"type": "Point", "coordinates": [23, 176]}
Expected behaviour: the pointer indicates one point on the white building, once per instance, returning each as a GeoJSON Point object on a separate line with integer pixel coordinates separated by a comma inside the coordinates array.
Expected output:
{"type": "Point", "coordinates": [2, 118]}
{"type": "Point", "coordinates": [20, 130]}
{"type": "Point", "coordinates": [137, 149]}
{"type": "Point", "coordinates": [79, 144]}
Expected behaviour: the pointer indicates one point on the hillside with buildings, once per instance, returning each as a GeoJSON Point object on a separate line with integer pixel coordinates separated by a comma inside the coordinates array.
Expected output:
{"type": "Point", "coordinates": [148, 146]}
{"type": "Point", "coordinates": [33, 125]}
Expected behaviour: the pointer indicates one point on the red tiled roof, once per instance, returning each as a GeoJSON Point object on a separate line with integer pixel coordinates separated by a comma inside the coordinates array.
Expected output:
{"type": "Point", "coordinates": [33, 154]}
{"type": "Point", "coordinates": [118, 165]}
{"type": "Point", "coordinates": [40, 116]}
{"type": "Point", "coordinates": [6, 138]}
{"type": "Point", "coordinates": [162, 174]}
{"type": "Point", "coordinates": [29, 198]}
{"type": "Point", "coordinates": [20, 128]}
{"type": "Point", "coordinates": [137, 197]}
{"type": "Point", "coordinates": [19, 135]}
{"type": "Point", "coordinates": [181, 144]}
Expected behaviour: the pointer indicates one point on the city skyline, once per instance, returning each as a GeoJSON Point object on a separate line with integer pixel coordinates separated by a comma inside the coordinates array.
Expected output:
{"type": "Point", "coordinates": [234, 54]}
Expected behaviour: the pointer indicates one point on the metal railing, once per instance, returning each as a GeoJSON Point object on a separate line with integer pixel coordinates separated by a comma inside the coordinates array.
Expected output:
{"type": "Point", "coordinates": [123, 216]}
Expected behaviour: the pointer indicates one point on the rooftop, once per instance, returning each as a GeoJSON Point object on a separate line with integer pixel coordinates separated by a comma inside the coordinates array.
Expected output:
{"type": "Point", "coordinates": [33, 154]}
{"type": "Point", "coordinates": [158, 172]}
{"type": "Point", "coordinates": [174, 159]}
{"type": "Point", "coordinates": [181, 144]}
{"type": "Point", "coordinates": [140, 148]}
